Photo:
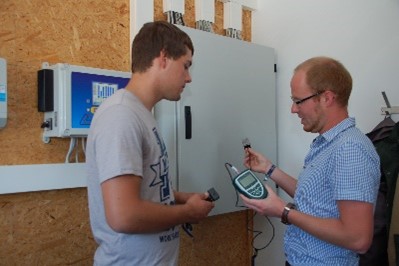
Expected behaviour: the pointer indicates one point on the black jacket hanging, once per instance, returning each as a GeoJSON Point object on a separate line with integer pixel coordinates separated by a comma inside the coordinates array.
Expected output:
{"type": "Point", "coordinates": [386, 141]}
{"type": "Point", "coordinates": [388, 150]}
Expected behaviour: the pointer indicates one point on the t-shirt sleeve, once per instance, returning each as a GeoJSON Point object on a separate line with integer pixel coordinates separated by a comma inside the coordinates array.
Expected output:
{"type": "Point", "coordinates": [118, 143]}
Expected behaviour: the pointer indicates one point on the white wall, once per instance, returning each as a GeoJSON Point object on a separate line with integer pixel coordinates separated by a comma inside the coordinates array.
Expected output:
{"type": "Point", "coordinates": [362, 34]}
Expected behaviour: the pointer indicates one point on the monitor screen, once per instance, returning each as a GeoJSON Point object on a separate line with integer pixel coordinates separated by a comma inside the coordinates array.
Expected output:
{"type": "Point", "coordinates": [88, 91]}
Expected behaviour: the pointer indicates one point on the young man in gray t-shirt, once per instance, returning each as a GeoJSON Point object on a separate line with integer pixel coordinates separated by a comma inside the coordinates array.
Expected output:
{"type": "Point", "coordinates": [134, 212]}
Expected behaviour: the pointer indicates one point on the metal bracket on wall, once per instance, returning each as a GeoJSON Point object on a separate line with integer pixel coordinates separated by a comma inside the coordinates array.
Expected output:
{"type": "Point", "coordinates": [389, 109]}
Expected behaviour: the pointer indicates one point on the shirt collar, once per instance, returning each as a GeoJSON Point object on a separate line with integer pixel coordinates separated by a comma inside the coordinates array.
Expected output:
{"type": "Point", "coordinates": [342, 126]}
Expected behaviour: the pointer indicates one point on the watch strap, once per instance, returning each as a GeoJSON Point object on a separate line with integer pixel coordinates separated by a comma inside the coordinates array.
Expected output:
{"type": "Point", "coordinates": [270, 172]}
{"type": "Point", "coordinates": [284, 216]}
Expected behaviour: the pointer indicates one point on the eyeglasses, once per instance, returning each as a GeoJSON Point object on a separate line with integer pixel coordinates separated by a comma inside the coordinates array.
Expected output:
{"type": "Point", "coordinates": [298, 102]}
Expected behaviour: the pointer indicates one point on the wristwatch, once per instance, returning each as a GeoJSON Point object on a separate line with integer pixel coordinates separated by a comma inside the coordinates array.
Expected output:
{"type": "Point", "coordinates": [284, 216]}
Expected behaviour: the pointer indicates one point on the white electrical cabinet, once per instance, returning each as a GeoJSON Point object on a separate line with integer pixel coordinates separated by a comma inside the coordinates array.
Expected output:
{"type": "Point", "coordinates": [232, 96]}
{"type": "Point", "coordinates": [69, 95]}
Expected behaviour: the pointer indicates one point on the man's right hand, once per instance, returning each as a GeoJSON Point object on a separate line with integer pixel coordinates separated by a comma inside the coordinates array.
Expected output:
{"type": "Point", "coordinates": [256, 161]}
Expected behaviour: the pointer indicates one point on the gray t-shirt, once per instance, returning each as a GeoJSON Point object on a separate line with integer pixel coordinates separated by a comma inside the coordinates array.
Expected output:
{"type": "Point", "coordinates": [124, 139]}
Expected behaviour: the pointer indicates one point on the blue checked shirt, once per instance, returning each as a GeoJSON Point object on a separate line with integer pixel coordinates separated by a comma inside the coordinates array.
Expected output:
{"type": "Point", "coordinates": [342, 164]}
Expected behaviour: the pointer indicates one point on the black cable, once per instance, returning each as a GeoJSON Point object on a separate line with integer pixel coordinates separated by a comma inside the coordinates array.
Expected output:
{"type": "Point", "coordinates": [255, 233]}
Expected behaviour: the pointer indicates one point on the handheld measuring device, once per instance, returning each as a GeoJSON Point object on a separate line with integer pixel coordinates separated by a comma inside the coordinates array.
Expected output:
{"type": "Point", "coordinates": [249, 185]}
{"type": "Point", "coordinates": [213, 195]}
{"type": "Point", "coordinates": [246, 182]}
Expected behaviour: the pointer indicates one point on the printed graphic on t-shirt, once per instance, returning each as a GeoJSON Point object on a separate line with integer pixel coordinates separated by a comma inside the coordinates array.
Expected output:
{"type": "Point", "coordinates": [161, 179]}
{"type": "Point", "coordinates": [161, 170]}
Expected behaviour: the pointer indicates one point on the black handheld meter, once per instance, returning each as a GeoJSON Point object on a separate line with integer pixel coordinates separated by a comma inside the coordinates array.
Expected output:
{"type": "Point", "coordinates": [249, 185]}
{"type": "Point", "coordinates": [213, 195]}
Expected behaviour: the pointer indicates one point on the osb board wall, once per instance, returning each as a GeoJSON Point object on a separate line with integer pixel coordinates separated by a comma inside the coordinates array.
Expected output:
{"type": "Point", "coordinates": [46, 228]}
{"type": "Point", "coordinates": [52, 227]}
{"type": "Point", "coordinates": [86, 33]}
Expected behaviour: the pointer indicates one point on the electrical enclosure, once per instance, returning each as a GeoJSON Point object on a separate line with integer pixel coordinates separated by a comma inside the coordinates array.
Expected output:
{"type": "Point", "coordinates": [69, 95]}
{"type": "Point", "coordinates": [232, 96]}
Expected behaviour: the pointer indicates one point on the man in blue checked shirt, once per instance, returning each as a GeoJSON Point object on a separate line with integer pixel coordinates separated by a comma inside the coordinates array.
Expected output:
{"type": "Point", "coordinates": [331, 218]}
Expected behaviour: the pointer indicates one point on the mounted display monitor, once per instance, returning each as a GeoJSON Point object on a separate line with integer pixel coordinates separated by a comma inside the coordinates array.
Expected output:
{"type": "Point", "coordinates": [69, 96]}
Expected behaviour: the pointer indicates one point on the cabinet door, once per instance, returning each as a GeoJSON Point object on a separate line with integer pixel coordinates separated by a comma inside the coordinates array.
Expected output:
{"type": "Point", "coordinates": [231, 97]}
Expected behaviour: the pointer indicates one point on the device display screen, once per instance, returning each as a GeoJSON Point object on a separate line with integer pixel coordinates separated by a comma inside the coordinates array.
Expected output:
{"type": "Point", "coordinates": [88, 91]}
{"type": "Point", "coordinates": [249, 185]}
{"type": "Point", "coordinates": [247, 180]}
{"type": "Point", "coordinates": [102, 91]}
